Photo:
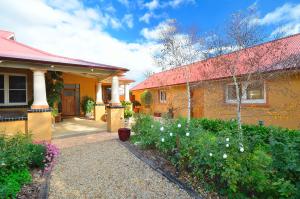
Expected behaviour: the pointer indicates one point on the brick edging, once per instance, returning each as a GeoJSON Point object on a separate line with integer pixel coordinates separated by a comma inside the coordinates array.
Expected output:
{"type": "Point", "coordinates": [160, 170]}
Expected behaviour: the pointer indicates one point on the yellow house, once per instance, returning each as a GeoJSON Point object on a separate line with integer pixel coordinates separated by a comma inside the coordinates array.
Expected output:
{"type": "Point", "coordinates": [24, 72]}
{"type": "Point", "coordinates": [271, 99]}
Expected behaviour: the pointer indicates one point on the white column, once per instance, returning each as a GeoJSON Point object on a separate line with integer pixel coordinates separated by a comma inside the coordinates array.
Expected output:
{"type": "Point", "coordinates": [99, 94]}
{"type": "Point", "coordinates": [39, 90]}
{"type": "Point", "coordinates": [115, 98]}
{"type": "Point", "coordinates": [126, 92]}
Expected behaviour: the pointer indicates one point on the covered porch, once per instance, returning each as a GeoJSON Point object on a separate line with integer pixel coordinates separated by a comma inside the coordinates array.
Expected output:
{"type": "Point", "coordinates": [25, 103]}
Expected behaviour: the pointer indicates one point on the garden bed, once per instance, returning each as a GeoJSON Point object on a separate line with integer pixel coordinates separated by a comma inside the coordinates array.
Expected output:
{"type": "Point", "coordinates": [24, 166]}
{"type": "Point", "coordinates": [158, 162]}
{"type": "Point", "coordinates": [214, 156]}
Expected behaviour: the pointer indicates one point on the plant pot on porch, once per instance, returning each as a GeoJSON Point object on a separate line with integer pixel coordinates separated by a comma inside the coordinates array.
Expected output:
{"type": "Point", "coordinates": [124, 134]}
{"type": "Point", "coordinates": [58, 118]}
{"type": "Point", "coordinates": [136, 109]}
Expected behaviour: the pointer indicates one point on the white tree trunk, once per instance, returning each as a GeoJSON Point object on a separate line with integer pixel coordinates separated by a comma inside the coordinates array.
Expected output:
{"type": "Point", "coordinates": [188, 90]}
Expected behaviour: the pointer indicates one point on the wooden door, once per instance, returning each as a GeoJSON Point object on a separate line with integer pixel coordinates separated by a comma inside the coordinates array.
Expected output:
{"type": "Point", "coordinates": [197, 103]}
{"type": "Point", "coordinates": [68, 102]}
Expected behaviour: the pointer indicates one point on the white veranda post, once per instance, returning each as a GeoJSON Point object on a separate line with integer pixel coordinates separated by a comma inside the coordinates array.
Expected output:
{"type": "Point", "coordinates": [99, 94]}
{"type": "Point", "coordinates": [126, 93]}
{"type": "Point", "coordinates": [39, 90]}
{"type": "Point", "coordinates": [115, 98]}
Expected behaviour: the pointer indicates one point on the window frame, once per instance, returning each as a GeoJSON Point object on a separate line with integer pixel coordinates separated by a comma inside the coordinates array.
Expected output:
{"type": "Point", "coordinates": [165, 96]}
{"type": "Point", "coordinates": [6, 90]}
{"type": "Point", "coordinates": [244, 97]}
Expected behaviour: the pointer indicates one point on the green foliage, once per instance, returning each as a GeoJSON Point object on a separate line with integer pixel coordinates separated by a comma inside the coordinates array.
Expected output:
{"type": "Point", "coordinates": [37, 157]}
{"type": "Point", "coordinates": [265, 164]}
{"type": "Point", "coordinates": [128, 113]}
{"type": "Point", "coordinates": [146, 98]}
{"type": "Point", "coordinates": [54, 87]}
{"type": "Point", "coordinates": [54, 112]}
{"type": "Point", "coordinates": [136, 103]}
{"type": "Point", "coordinates": [17, 155]}
{"type": "Point", "coordinates": [11, 184]}
{"type": "Point", "coordinates": [87, 104]}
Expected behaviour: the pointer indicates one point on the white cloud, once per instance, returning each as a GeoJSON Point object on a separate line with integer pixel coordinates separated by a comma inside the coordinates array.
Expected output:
{"type": "Point", "coordinates": [79, 34]}
{"type": "Point", "coordinates": [177, 3]}
{"type": "Point", "coordinates": [124, 2]}
{"type": "Point", "coordinates": [128, 19]}
{"type": "Point", "coordinates": [152, 5]}
{"type": "Point", "coordinates": [146, 17]}
{"type": "Point", "coordinates": [155, 33]}
{"type": "Point", "coordinates": [286, 17]}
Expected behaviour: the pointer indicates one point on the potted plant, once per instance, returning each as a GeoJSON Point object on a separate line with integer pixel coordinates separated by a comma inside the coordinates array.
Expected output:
{"type": "Point", "coordinates": [136, 106]}
{"type": "Point", "coordinates": [146, 99]}
{"type": "Point", "coordinates": [54, 114]}
{"type": "Point", "coordinates": [128, 113]}
{"type": "Point", "coordinates": [87, 106]}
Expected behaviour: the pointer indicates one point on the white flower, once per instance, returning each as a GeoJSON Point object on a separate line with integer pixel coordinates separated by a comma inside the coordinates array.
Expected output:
{"type": "Point", "coordinates": [187, 134]}
{"type": "Point", "coordinates": [210, 154]}
{"type": "Point", "coordinates": [179, 125]}
{"type": "Point", "coordinates": [162, 139]}
{"type": "Point", "coordinates": [162, 128]}
{"type": "Point", "coordinates": [2, 164]}
{"type": "Point", "coordinates": [227, 145]}
{"type": "Point", "coordinates": [224, 155]}
{"type": "Point", "coordinates": [242, 149]}
{"type": "Point", "coordinates": [152, 126]}
{"type": "Point", "coordinates": [227, 139]}
{"type": "Point", "coordinates": [171, 134]}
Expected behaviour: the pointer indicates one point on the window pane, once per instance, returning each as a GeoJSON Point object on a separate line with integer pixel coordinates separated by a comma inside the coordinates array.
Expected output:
{"type": "Point", "coordinates": [17, 96]}
{"type": "Point", "coordinates": [1, 96]}
{"type": "Point", "coordinates": [1, 81]}
{"type": "Point", "coordinates": [17, 82]}
{"type": "Point", "coordinates": [231, 92]}
{"type": "Point", "coordinates": [255, 91]}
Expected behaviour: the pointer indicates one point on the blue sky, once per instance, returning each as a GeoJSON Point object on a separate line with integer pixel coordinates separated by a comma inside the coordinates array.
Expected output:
{"type": "Point", "coordinates": [124, 32]}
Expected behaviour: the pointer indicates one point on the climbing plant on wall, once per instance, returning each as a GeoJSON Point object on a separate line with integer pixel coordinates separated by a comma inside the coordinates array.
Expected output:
{"type": "Point", "coordinates": [54, 86]}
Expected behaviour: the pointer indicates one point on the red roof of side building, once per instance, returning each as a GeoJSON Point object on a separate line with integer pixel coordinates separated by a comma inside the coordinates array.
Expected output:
{"type": "Point", "coordinates": [207, 70]}
{"type": "Point", "coordinates": [13, 50]}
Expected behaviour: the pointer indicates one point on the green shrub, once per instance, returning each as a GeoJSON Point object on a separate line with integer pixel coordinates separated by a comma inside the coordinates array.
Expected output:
{"type": "Point", "coordinates": [264, 164]}
{"type": "Point", "coordinates": [17, 155]}
{"type": "Point", "coordinates": [12, 183]}
{"type": "Point", "coordinates": [146, 98]}
{"type": "Point", "coordinates": [37, 157]}
{"type": "Point", "coordinates": [87, 104]}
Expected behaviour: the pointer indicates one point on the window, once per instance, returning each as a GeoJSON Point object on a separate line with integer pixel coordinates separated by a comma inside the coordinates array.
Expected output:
{"type": "Point", "coordinates": [254, 93]}
{"type": "Point", "coordinates": [13, 89]}
{"type": "Point", "coordinates": [162, 96]}
{"type": "Point", "coordinates": [1, 89]}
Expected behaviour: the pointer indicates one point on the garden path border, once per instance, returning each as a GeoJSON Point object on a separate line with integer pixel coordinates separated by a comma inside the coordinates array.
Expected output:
{"type": "Point", "coordinates": [44, 191]}
{"type": "Point", "coordinates": [160, 170]}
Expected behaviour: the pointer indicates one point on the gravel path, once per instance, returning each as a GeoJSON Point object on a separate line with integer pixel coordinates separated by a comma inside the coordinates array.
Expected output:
{"type": "Point", "coordinates": [103, 168]}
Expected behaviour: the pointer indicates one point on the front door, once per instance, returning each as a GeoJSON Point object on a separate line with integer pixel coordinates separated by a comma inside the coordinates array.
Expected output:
{"type": "Point", "coordinates": [69, 98]}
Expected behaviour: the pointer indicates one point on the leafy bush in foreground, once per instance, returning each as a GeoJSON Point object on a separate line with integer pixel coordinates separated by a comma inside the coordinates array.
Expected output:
{"type": "Point", "coordinates": [17, 156]}
{"type": "Point", "coordinates": [265, 164]}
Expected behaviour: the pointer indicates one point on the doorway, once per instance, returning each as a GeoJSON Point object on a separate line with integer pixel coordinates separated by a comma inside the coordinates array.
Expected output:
{"type": "Point", "coordinates": [70, 100]}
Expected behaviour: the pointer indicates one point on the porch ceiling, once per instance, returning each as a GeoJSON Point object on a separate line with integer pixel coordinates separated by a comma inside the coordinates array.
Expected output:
{"type": "Point", "coordinates": [91, 72]}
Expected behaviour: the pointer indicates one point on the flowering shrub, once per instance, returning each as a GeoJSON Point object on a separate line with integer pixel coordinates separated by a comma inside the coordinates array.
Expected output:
{"type": "Point", "coordinates": [18, 154]}
{"type": "Point", "coordinates": [50, 157]}
{"type": "Point", "coordinates": [265, 164]}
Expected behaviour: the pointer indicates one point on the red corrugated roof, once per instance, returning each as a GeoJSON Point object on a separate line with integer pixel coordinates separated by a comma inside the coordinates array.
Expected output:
{"type": "Point", "coordinates": [13, 50]}
{"type": "Point", "coordinates": [207, 70]}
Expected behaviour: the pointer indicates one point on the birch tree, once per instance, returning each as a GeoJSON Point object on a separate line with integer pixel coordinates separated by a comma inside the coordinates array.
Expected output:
{"type": "Point", "coordinates": [238, 55]}
{"type": "Point", "coordinates": [178, 49]}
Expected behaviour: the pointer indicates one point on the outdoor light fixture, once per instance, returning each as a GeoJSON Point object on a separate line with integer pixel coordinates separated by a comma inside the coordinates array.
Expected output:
{"type": "Point", "coordinates": [92, 69]}
{"type": "Point", "coordinates": [52, 66]}
{"type": "Point", "coordinates": [1, 61]}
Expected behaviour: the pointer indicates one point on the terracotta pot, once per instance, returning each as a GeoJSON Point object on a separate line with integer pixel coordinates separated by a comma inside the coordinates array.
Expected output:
{"type": "Point", "coordinates": [124, 134]}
